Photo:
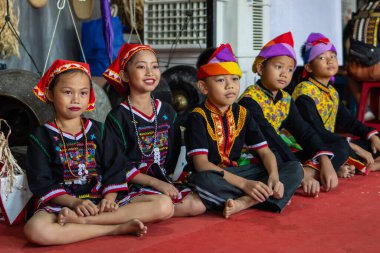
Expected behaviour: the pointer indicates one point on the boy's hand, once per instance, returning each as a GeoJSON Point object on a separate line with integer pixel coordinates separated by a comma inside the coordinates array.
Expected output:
{"type": "Point", "coordinates": [107, 205]}
{"type": "Point", "coordinates": [362, 153]}
{"type": "Point", "coordinates": [166, 188]}
{"type": "Point", "coordinates": [257, 190]}
{"type": "Point", "coordinates": [85, 207]}
{"type": "Point", "coordinates": [375, 143]}
{"type": "Point", "coordinates": [277, 187]}
{"type": "Point", "coordinates": [365, 155]}
{"type": "Point", "coordinates": [310, 184]}
{"type": "Point", "coordinates": [329, 178]}
{"type": "Point", "coordinates": [311, 187]}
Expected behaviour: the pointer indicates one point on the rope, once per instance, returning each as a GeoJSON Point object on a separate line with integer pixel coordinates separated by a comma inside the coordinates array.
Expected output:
{"type": "Point", "coordinates": [61, 5]}
{"type": "Point", "coordinates": [10, 168]}
{"type": "Point", "coordinates": [76, 32]}
{"type": "Point", "coordinates": [132, 16]}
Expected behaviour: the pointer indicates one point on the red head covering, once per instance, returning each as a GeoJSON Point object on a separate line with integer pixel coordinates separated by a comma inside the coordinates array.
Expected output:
{"type": "Point", "coordinates": [112, 73]}
{"type": "Point", "coordinates": [282, 45]}
{"type": "Point", "coordinates": [58, 67]}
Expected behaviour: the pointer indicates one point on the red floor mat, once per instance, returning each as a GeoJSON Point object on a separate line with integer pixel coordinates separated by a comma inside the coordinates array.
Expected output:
{"type": "Point", "coordinates": [344, 220]}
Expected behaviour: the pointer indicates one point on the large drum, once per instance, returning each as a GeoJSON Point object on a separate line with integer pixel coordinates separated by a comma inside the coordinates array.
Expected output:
{"type": "Point", "coordinates": [24, 111]}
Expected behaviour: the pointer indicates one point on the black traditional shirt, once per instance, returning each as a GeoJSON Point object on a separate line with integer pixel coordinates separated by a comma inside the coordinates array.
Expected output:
{"type": "Point", "coordinates": [221, 136]}
{"type": "Point", "coordinates": [120, 129]}
{"type": "Point", "coordinates": [49, 172]}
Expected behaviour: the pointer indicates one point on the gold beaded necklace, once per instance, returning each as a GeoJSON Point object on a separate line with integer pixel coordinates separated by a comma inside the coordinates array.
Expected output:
{"type": "Point", "coordinates": [82, 169]}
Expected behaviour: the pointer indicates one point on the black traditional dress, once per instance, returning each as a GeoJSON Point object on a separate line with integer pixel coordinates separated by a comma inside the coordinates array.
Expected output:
{"type": "Point", "coordinates": [59, 163]}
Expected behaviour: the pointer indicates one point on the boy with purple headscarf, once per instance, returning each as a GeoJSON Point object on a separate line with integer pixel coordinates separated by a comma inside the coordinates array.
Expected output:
{"type": "Point", "coordinates": [278, 116]}
{"type": "Point", "coordinates": [319, 104]}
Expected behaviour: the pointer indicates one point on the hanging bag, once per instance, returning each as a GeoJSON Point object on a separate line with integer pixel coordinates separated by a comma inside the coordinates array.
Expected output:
{"type": "Point", "coordinates": [14, 190]}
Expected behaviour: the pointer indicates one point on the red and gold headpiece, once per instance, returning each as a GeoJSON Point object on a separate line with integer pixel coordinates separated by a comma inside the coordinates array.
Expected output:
{"type": "Point", "coordinates": [58, 67]}
{"type": "Point", "coordinates": [112, 73]}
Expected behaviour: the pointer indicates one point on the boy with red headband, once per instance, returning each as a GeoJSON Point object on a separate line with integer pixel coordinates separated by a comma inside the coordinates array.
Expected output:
{"type": "Point", "coordinates": [77, 198]}
{"type": "Point", "coordinates": [319, 104]}
{"type": "Point", "coordinates": [215, 134]}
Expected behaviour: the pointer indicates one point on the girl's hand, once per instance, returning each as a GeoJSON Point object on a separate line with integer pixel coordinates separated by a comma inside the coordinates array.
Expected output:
{"type": "Point", "coordinates": [106, 205]}
{"type": "Point", "coordinates": [85, 207]}
{"type": "Point", "coordinates": [375, 143]}
{"type": "Point", "coordinates": [167, 189]}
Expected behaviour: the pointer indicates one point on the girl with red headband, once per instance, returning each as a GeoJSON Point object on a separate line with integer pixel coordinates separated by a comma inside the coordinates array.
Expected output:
{"type": "Point", "coordinates": [144, 129]}
{"type": "Point", "coordinates": [75, 196]}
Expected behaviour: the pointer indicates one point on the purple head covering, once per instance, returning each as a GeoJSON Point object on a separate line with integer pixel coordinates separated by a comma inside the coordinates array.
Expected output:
{"type": "Point", "coordinates": [224, 54]}
{"type": "Point", "coordinates": [315, 45]}
{"type": "Point", "coordinates": [279, 46]}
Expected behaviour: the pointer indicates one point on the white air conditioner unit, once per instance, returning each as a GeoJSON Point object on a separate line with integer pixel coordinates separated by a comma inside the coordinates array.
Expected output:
{"type": "Point", "coordinates": [242, 23]}
{"type": "Point", "coordinates": [182, 22]}
{"type": "Point", "coordinates": [176, 29]}
{"type": "Point", "coordinates": [245, 25]}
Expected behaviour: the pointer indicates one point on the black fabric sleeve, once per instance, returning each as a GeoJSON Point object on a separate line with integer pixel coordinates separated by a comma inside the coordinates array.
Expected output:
{"type": "Point", "coordinates": [114, 159]}
{"type": "Point", "coordinates": [174, 145]}
{"type": "Point", "coordinates": [196, 137]}
{"type": "Point", "coordinates": [39, 167]}
{"type": "Point", "coordinates": [303, 132]}
{"type": "Point", "coordinates": [254, 138]}
{"type": "Point", "coordinates": [276, 144]}
{"type": "Point", "coordinates": [309, 112]}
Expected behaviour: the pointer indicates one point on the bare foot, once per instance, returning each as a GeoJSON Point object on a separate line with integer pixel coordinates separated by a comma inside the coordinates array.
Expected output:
{"type": "Point", "coordinates": [346, 171]}
{"type": "Point", "coordinates": [233, 206]}
{"type": "Point", "coordinates": [133, 226]}
{"type": "Point", "coordinates": [66, 215]}
{"type": "Point", "coordinates": [375, 166]}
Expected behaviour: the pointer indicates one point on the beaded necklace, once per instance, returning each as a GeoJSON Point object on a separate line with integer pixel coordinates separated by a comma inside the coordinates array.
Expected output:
{"type": "Point", "coordinates": [82, 168]}
{"type": "Point", "coordinates": [155, 150]}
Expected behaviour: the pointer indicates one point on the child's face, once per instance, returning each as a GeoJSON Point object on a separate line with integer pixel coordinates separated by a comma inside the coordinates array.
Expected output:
{"type": "Point", "coordinates": [324, 65]}
{"type": "Point", "coordinates": [222, 90]}
{"type": "Point", "coordinates": [70, 95]}
{"type": "Point", "coordinates": [143, 73]}
{"type": "Point", "coordinates": [276, 72]}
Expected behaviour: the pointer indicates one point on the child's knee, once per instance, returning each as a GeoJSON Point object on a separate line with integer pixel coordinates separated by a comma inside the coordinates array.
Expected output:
{"type": "Point", "coordinates": [164, 207]}
{"type": "Point", "coordinates": [36, 232]}
{"type": "Point", "coordinates": [198, 208]}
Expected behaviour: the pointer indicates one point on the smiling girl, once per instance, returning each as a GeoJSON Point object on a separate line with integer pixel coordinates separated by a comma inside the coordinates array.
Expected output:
{"type": "Point", "coordinates": [145, 130]}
